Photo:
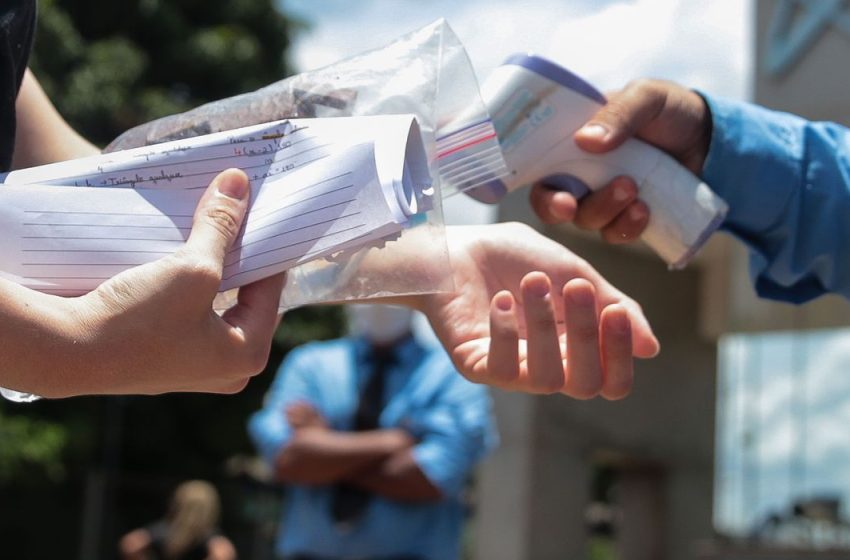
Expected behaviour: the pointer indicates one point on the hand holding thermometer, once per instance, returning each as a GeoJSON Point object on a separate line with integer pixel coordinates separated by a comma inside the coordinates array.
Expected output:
{"type": "Point", "coordinates": [537, 106]}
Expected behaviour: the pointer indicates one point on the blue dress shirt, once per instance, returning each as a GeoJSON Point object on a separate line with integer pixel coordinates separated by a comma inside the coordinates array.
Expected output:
{"type": "Point", "coordinates": [787, 182]}
{"type": "Point", "coordinates": [450, 417]}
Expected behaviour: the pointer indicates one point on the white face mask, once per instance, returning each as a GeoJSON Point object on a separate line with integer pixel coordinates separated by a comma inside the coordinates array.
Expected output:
{"type": "Point", "coordinates": [379, 324]}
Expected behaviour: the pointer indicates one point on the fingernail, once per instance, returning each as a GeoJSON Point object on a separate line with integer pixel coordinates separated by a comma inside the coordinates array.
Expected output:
{"type": "Point", "coordinates": [637, 213]}
{"type": "Point", "coordinates": [620, 323]}
{"type": "Point", "coordinates": [539, 289]}
{"type": "Point", "coordinates": [622, 193]}
{"type": "Point", "coordinates": [559, 208]}
{"type": "Point", "coordinates": [232, 185]}
{"type": "Point", "coordinates": [581, 297]}
{"type": "Point", "coordinates": [504, 302]}
{"type": "Point", "coordinates": [561, 197]}
{"type": "Point", "coordinates": [594, 130]}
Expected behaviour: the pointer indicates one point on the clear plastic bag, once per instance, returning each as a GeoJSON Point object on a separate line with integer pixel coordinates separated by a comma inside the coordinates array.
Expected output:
{"type": "Point", "coordinates": [426, 73]}
{"type": "Point", "coordinates": [17, 397]}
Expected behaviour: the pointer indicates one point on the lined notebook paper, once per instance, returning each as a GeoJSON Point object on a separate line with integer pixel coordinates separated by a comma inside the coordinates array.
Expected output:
{"type": "Point", "coordinates": [319, 186]}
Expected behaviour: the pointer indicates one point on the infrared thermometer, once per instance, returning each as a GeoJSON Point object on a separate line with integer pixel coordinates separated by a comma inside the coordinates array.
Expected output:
{"type": "Point", "coordinates": [536, 107]}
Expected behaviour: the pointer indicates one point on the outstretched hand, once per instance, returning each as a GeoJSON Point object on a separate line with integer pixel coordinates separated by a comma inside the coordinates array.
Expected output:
{"type": "Point", "coordinates": [666, 115]}
{"type": "Point", "coordinates": [529, 315]}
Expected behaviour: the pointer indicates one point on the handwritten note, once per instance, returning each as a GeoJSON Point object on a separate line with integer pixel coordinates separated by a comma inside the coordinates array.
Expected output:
{"type": "Point", "coordinates": [319, 186]}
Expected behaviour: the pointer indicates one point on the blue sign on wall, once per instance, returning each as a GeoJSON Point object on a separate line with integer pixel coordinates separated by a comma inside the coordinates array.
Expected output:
{"type": "Point", "coordinates": [796, 26]}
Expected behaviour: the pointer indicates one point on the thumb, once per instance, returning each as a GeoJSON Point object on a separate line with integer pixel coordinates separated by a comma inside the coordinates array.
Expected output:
{"type": "Point", "coordinates": [219, 215]}
{"type": "Point", "coordinates": [625, 114]}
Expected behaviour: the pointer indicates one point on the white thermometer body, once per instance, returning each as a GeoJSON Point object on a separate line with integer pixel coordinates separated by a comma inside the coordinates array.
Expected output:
{"type": "Point", "coordinates": [537, 106]}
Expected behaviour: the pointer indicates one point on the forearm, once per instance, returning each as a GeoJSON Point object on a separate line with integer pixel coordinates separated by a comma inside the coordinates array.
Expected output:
{"type": "Point", "coordinates": [38, 342]}
{"type": "Point", "coordinates": [319, 456]}
{"type": "Point", "coordinates": [42, 136]}
{"type": "Point", "coordinates": [787, 182]}
{"type": "Point", "coordinates": [397, 478]}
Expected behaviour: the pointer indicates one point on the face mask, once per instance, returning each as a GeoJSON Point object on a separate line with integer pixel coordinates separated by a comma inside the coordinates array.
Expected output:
{"type": "Point", "coordinates": [379, 324]}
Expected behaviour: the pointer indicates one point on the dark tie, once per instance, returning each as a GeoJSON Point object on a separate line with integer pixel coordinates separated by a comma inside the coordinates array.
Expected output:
{"type": "Point", "coordinates": [349, 502]}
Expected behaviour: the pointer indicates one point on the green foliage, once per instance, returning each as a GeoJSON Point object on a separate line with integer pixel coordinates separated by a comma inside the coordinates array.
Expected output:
{"type": "Point", "coordinates": [32, 448]}
{"type": "Point", "coordinates": [109, 66]}
{"type": "Point", "coordinates": [601, 548]}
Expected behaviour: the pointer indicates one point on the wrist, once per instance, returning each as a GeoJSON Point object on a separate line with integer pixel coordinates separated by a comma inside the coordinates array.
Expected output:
{"type": "Point", "coordinates": [100, 348]}
{"type": "Point", "coordinates": [697, 133]}
{"type": "Point", "coordinates": [42, 343]}
{"type": "Point", "coordinates": [706, 129]}
{"type": "Point", "coordinates": [86, 356]}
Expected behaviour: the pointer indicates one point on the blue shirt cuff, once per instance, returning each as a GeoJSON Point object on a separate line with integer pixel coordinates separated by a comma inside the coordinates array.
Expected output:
{"type": "Point", "coordinates": [269, 437]}
{"type": "Point", "coordinates": [754, 162]}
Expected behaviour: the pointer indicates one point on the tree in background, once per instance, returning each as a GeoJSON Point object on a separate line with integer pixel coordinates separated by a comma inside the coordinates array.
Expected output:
{"type": "Point", "coordinates": [109, 66]}
{"type": "Point", "coordinates": [30, 448]}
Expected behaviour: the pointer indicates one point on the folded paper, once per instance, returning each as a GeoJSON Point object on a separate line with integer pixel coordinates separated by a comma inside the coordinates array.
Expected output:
{"type": "Point", "coordinates": [318, 187]}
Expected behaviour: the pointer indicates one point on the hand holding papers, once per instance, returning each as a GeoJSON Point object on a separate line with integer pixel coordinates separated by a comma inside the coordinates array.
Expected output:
{"type": "Point", "coordinates": [319, 186]}
{"type": "Point", "coordinates": [149, 329]}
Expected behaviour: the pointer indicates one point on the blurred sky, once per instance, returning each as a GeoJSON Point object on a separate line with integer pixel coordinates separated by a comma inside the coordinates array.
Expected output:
{"type": "Point", "coordinates": [702, 44]}
{"type": "Point", "coordinates": [706, 45]}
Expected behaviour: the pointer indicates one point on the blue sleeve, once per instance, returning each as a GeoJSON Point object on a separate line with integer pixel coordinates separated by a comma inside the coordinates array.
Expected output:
{"type": "Point", "coordinates": [457, 431]}
{"type": "Point", "coordinates": [268, 427]}
{"type": "Point", "coordinates": [787, 182]}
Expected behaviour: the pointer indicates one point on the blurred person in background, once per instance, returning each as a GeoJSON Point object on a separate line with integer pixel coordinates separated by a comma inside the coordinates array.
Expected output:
{"type": "Point", "coordinates": [376, 436]}
{"type": "Point", "coordinates": [188, 532]}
